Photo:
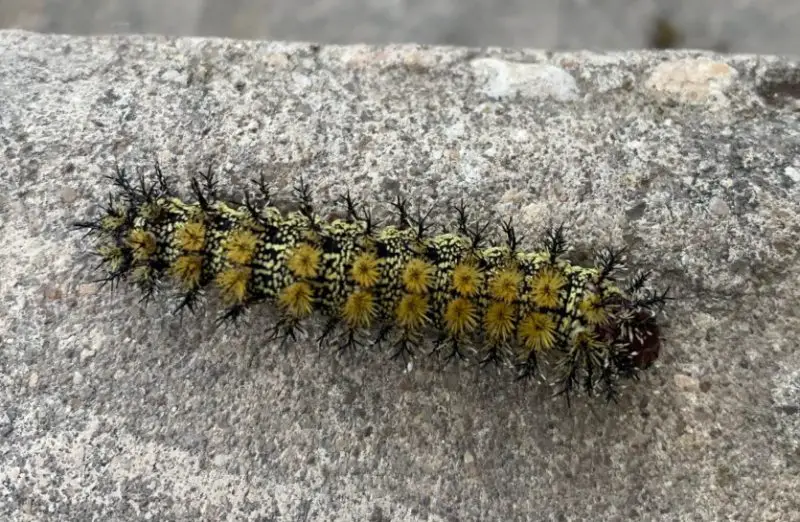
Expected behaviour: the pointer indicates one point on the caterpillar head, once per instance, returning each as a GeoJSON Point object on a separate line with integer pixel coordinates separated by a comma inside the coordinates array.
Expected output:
{"type": "Point", "coordinates": [635, 334]}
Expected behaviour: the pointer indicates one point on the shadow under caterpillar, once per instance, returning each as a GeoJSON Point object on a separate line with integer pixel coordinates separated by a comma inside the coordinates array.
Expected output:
{"type": "Point", "coordinates": [574, 326]}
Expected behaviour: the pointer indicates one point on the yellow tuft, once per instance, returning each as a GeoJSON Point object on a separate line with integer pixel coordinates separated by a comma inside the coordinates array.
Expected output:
{"type": "Point", "coordinates": [112, 222]}
{"type": "Point", "coordinates": [460, 316]}
{"type": "Point", "coordinates": [151, 211]}
{"type": "Point", "coordinates": [583, 339]}
{"type": "Point", "coordinates": [546, 286]}
{"type": "Point", "coordinates": [304, 260]}
{"type": "Point", "coordinates": [240, 246]}
{"type": "Point", "coordinates": [537, 332]}
{"type": "Point", "coordinates": [499, 321]}
{"type": "Point", "coordinates": [297, 299]}
{"type": "Point", "coordinates": [233, 284]}
{"type": "Point", "coordinates": [417, 276]}
{"type": "Point", "coordinates": [191, 237]}
{"type": "Point", "coordinates": [112, 256]}
{"type": "Point", "coordinates": [411, 311]}
{"type": "Point", "coordinates": [143, 244]}
{"type": "Point", "coordinates": [359, 309]}
{"type": "Point", "coordinates": [142, 274]}
{"type": "Point", "coordinates": [466, 279]}
{"type": "Point", "coordinates": [187, 270]}
{"type": "Point", "coordinates": [365, 270]}
{"type": "Point", "coordinates": [504, 285]}
{"type": "Point", "coordinates": [591, 307]}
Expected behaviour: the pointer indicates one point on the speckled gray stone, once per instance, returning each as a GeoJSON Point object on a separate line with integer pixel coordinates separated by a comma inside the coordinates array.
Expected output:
{"type": "Point", "coordinates": [116, 411]}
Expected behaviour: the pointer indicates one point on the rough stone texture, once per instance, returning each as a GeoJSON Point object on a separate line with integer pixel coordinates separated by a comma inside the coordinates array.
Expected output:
{"type": "Point", "coordinates": [116, 411]}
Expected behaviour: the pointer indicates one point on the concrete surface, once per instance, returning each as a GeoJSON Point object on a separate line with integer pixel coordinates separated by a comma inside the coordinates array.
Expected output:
{"type": "Point", "coordinates": [110, 410]}
{"type": "Point", "coordinates": [752, 26]}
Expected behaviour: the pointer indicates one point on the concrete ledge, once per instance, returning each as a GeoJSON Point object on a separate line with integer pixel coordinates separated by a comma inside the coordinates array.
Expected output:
{"type": "Point", "coordinates": [114, 411]}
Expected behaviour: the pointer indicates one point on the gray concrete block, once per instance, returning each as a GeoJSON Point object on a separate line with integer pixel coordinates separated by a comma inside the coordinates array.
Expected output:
{"type": "Point", "coordinates": [113, 410]}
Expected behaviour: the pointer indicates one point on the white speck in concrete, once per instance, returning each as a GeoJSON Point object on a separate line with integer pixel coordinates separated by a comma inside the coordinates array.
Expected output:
{"type": "Point", "coordinates": [301, 81]}
{"type": "Point", "coordinates": [173, 76]}
{"type": "Point", "coordinates": [520, 135]}
{"type": "Point", "coordinates": [472, 167]}
{"type": "Point", "coordinates": [33, 380]}
{"type": "Point", "coordinates": [792, 173]}
{"type": "Point", "coordinates": [455, 131]}
{"type": "Point", "coordinates": [469, 458]}
{"type": "Point", "coordinates": [539, 81]}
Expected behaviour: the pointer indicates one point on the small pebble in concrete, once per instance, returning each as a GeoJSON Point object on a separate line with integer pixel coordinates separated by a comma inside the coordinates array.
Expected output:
{"type": "Point", "coordinates": [686, 382]}
{"type": "Point", "coordinates": [692, 80]}
{"type": "Point", "coordinates": [718, 207]}
{"type": "Point", "coordinates": [6, 425]}
{"type": "Point", "coordinates": [469, 458]}
{"type": "Point", "coordinates": [529, 80]}
{"type": "Point", "coordinates": [69, 195]}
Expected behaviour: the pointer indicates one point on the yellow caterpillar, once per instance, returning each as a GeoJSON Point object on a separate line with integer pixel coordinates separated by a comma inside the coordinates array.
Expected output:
{"type": "Point", "coordinates": [495, 302]}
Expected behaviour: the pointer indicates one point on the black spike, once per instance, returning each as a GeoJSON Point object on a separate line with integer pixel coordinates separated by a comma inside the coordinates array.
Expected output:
{"type": "Point", "coordinates": [120, 180]}
{"type": "Point", "coordinates": [403, 218]}
{"type": "Point", "coordinates": [475, 232]}
{"type": "Point", "coordinates": [91, 226]}
{"type": "Point", "coordinates": [330, 326]}
{"type": "Point", "coordinates": [638, 281]}
{"type": "Point", "coordinates": [404, 347]}
{"type": "Point", "coordinates": [512, 240]}
{"type": "Point", "coordinates": [462, 218]}
{"type": "Point", "coordinates": [351, 342]}
{"type": "Point", "coordinates": [350, 206]}
{"type": "Point", "coordinates": [231, 316]}
{"type": "Point", "coordinates": [285, 328]}
{"type": "Point", "coordinates": [209, 182]}
{"type": "Point", "coordinates": [145, 191]}
{"type": "Point", "coordinates": [455, 351]}
{"type": "Point", "coordinates": [302, 192]}
{"type": "Point", "coordinates": [254, 212]}
{"type": "Point", "coordinates": [352, 210]}
{"type": "Point", "coordinates": [609, 260]}
{"type": "Point", "coordinates": [554, 242]}
{"type": "Point", "coordinates": [420, 223]}
{"type": "Point", "coordinates": [188, 302]}
{"type": "Point", "coordinates": [163, 186]}
{"type": "Point", "coordinates": [382, 334]}
{"type": "Point", "coordinates": [197, 190]}
{"type": "Point", "coordinates": [263, 188]}
{"type": "Point", "coordinates": [528, 368]}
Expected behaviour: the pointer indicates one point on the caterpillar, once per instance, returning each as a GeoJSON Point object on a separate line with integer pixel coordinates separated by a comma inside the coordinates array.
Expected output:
{"type": "Point", "coordinates": [454, 290]}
